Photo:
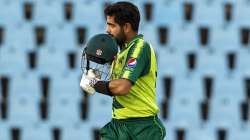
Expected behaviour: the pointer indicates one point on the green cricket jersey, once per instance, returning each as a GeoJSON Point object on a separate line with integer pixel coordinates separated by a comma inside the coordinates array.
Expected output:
{"type": "Point", "coordinates": [137, 63]}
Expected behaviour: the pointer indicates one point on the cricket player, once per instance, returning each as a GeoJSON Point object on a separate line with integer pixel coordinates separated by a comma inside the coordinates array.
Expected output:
{"type": "Point", "coordinates": [133, 80]}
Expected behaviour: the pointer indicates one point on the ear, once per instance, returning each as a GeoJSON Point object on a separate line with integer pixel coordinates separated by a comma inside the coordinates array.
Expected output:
{"type": "Point", "coordinates": [127, 27]}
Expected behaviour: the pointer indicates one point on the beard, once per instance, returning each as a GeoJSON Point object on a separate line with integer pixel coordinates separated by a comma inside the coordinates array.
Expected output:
{"type": "Point", "coordinates": [120, 38]}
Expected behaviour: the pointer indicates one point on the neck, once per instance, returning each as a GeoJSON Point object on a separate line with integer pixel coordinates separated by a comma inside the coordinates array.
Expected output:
{"type": "Point", "coordinates": [130, 36]}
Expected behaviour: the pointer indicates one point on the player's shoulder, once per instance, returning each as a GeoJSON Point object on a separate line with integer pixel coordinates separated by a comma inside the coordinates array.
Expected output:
{"type": "Point", "coordinates": [141, 44]}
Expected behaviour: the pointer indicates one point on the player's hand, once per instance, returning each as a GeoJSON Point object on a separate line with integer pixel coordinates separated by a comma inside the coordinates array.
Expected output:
{"type": "Point", "coordinates": [88, 81]}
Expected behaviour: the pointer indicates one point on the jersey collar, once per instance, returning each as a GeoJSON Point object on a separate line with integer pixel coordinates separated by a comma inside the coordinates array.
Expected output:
{"type": "Point", "coordinates": [139, 36]}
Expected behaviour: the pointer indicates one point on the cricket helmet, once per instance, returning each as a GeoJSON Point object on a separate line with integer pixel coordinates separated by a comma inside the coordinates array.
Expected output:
{"type": "Point", "coordinates": [99, 53]}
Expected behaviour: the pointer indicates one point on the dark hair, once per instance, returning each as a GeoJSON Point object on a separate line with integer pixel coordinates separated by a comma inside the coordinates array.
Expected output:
{"type": "Point", "coordinates": [124, 12]}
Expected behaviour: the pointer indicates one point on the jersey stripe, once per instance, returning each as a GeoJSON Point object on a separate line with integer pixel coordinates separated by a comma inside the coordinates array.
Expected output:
{"type": "Point", "coordinates": [138, 48]}
{"type": "Point", "coordinates": [126, 74]}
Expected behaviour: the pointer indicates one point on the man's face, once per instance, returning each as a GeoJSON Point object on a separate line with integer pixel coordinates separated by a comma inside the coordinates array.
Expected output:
{"type": "Point", "coordinates": [115, 30]}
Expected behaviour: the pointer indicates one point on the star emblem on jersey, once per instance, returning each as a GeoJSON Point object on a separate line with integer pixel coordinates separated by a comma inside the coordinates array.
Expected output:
{"type": "Point", "coordinates": [131, 62]}
{"type": "Point", "coordinates": [98, 52]}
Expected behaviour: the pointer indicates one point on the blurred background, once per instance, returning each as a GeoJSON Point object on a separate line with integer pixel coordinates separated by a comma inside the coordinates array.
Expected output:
{"type": "Point", "coordinates": [203, 57]}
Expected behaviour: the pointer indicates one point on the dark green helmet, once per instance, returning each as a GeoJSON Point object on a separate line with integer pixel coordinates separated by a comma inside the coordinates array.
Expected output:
{"type": "Point", "coordinates": [101, 49]}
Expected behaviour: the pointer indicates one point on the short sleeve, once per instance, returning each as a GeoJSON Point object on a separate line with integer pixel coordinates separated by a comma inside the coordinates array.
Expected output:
{"type": "Point", "coordinates": [138, 62]}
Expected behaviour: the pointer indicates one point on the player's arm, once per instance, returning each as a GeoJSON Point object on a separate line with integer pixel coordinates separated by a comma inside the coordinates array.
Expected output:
{"type": "Point", "coordinates": [136, 66]}
{"type": "Point", "coordinates": [117, 87]}
{"type": "Point", "coordinates": [120, 86]}
{"type": "Point", "coordinates": [91, 84]}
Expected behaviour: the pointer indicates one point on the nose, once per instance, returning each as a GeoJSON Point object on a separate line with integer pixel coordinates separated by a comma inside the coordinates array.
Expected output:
{"type": "Point", "coordinates": [108, 30]}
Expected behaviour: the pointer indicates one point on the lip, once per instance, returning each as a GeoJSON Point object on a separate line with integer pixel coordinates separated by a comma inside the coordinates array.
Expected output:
{"type": "Point", "coordinates": [111, 35]}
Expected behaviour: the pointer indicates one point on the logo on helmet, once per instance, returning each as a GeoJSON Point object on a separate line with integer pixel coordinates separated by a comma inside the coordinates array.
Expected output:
{"type": "Point", "coordinates": [98, 52]}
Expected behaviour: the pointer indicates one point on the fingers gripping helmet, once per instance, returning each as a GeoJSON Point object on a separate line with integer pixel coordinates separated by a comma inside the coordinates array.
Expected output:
{"type": "Point", "coordinates": [98, 55]}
